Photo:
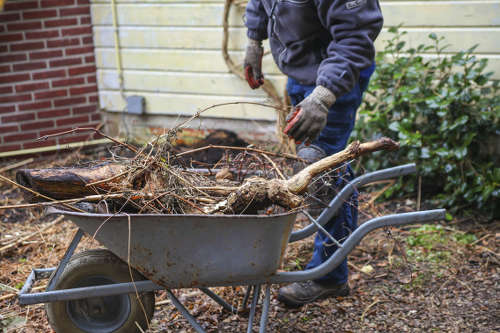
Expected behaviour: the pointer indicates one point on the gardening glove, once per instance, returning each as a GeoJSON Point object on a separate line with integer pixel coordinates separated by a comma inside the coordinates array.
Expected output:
{"type": "Point", "coordinates": [308, 118]}
{"type": "Point", "coordinates": [253, 64]}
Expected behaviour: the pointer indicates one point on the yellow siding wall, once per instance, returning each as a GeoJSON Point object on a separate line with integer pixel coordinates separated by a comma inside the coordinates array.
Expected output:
{"type": "Point", "coordinates": [171, 50]}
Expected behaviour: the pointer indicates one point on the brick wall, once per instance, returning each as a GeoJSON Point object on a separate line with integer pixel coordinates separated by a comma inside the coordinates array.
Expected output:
{"type": "Point", "coordinates": [47, 72]}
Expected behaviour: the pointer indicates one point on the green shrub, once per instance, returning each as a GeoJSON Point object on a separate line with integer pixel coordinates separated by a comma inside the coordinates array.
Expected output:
{"type": "Point", "coordinates": [445, 111]}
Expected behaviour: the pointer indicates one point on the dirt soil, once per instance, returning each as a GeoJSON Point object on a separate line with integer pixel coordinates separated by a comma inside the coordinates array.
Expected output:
{"type": "Point", "coordinates": [443, 277]}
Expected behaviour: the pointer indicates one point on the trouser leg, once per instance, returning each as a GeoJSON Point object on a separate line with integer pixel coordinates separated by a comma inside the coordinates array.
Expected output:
{"type": "Point", "coordinates": [333, 138]}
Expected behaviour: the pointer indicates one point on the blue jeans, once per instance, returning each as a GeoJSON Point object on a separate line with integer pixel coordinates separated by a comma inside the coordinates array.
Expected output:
{"type": "Point", "coordinates": [333, 138]}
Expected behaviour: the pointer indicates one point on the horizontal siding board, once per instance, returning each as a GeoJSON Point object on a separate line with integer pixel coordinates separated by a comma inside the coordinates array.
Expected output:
{"type": "Point", "coordinates": [170, 37]}
{"type": "Point", "coordinates": [211, 38]}
{"type": "Point", "coordinates": [194, 83]}
{"type": "Point", "coordinates": [411, 13]}
{"type": "Point", "coordinates": [441, 13]}
{"type": "Point", "coordinates": [205, 15]}
{"type": "Point", "coordinates": [185, 104]}
{"type": "Point", "coordinates": [175, 60]}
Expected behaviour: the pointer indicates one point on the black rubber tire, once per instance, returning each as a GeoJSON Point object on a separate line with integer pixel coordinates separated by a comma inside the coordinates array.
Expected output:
{"type": "Point", "coordinates": [99, 264]}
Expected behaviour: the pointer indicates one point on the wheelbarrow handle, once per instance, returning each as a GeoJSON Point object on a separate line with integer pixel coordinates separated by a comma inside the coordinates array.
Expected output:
{"type": "Point", "coordinates": [346, 192]}
{"type": "Point", "coordinates": [351, 241]}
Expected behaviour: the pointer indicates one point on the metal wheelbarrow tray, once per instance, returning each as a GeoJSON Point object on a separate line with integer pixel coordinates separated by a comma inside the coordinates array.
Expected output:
{"type": "Point", "coordinates": [200, 251]}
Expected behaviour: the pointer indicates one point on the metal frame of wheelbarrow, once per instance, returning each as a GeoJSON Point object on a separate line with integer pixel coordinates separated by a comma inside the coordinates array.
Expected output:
{"type": "Point", "coordinates": [254, 286]}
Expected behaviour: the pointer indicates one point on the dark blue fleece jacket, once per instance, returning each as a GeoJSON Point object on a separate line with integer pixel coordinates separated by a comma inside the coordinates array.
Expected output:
{"type": "Point", "coordinates": [318, 41]}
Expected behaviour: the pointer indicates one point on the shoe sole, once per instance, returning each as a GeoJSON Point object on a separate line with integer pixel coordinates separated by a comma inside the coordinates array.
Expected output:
{"type": "Point", "coordinates": [294, 303]}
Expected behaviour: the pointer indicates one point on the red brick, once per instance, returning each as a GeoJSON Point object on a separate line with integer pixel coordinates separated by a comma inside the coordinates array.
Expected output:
{"type": "Point", "coordinates": [69, 101]}
{"type": "Point", "coordinates": [32, 86]}
{"type": "Point", "coordinates": [51, 94]}
{"type": "Point", "coordinates": [14, 78]}
{"type": "Point", "coordinates": [6, 90]}
{"type": "Point", "coordinates": [17, 5]}
{"type": "Point", "coordinates": [27, 46]}
{"type": "Point", "coordinates": [54, 3]}
{"type": "Point", "coordinates": [85, 109]}
{"type": "Point", "coordinates": [46, 54]}
{"type": "Point", "coordinates": [11, 37]}
{"type": "Point", "coordinates": [7, 109]}
{"type": "Point", "coordinates": [35, 106]}
{"type": "Point", "coordinates": [85, 20]}
{"type": "Point", "coordinates": [68, 82]}
{"type": "Point", "coordinates": [83, 90]}
{"type": "Point", "coordinates": [72, 120]}
{"type": "Point", "coordinates": [5, 69]}
{"type": "Point", "coordinates": [60, 23]}
{"type": "Point", "coordinates": [4, 148]}
{"type": "Point", "coordinates": [87, 40]}
{"type": "Point", "coordinates": [91, 79]}
{"type": "Point", "coordinates": [75, 11]}
{"type": "Point", "coordinates": [18, 117]}
{"type": "Point", "coordinates": [54, 131]}
{"type": "Point", "coordinates": [76, 138]}
{"type": "Point", "coordinates": [53, 113]}
{"type": "Point", "coordinates": [42, 34]}
{"type": "Point", "coordinates": [40, 14]}
{"type": "Point", "coordinates": [9, 129]}
{"type": "Point", "coordinates": [13, 57]}
{"type": "Point", "coordinates": [2, 28]}
{"type": "Point", "coordinates": [15, 98]}
{"type": "Point", "coordinates": [66, 62]}
{"type": "Point", "coordinates": [63, 42]}
{"type": "Point", "coordinates": [9, 17]}
{"type": "Point", "coordinates": [19, 137]}
{"type": "Point", "coordinates": [90, 59]}
{"type": "Point", "coordinates": [37, 125]}
{"type": "Point", "coordinates": [81, 70]}
{"type": "Point", "coordinates": [93, 99]}
{"type": "Point", "coordinates": [79, 50]}
{"type": "Point", "coordinates": [38, 144]}
{"type": "Point", "coordinates": [24, 26]}
{"type": "Point", "coordinates": [95, 117]}
{"type": "Point", "coordinates": [83, 2]}
{"type": "Point", "coordinates": [77, 31]}
{"type": "Point", "coordinates": [49, 74]}
{"type": "Point", "coordinates": [3, 48]}
{"type": "Point", "coordinates": [29, 66]}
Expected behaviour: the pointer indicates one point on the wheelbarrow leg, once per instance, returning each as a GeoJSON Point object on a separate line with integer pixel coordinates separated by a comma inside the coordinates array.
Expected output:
{"type": "Point", "coordinates": [64, 261]}
{"type": "Point", "coordinates": [245, 298]}
{"type": "Point", "coordinates": [255, 300]}
{"type": "Point", "coordinates": [219, 300]}
{"type": "Point", "coordinates": [265, 310]}
{"type": "Point", "coordinates": [184, 312]}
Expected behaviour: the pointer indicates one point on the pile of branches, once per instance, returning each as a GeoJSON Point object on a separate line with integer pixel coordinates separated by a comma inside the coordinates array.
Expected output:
{"type": "Point", "coordinates": [159, 181]}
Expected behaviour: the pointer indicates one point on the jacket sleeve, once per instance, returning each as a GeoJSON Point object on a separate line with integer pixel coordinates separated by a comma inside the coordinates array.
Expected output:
{"type": "Point", "coordinates": [256, 20]}
{"type": "Point", "coordinates": [353, 26]}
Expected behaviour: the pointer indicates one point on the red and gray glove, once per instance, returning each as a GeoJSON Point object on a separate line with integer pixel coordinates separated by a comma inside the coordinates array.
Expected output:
{"type": "Point", "coordinates": [253, 64]}
{"type": "Point", "coordinates": [308, 118]}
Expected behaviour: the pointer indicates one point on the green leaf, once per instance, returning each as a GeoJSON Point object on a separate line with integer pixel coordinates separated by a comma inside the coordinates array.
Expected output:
{"type": "Point", "coordinates": [448, 216]}
{"type": "Point", "coordinates": [433, 36]}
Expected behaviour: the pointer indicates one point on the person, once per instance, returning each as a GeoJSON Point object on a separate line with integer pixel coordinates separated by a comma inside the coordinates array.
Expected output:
{"type": "Point", "coordinates": [326, 50]}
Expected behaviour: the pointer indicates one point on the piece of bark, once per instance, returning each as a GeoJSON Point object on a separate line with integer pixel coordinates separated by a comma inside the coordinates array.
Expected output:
{"type": "Point", "coordinates": [68, 183]}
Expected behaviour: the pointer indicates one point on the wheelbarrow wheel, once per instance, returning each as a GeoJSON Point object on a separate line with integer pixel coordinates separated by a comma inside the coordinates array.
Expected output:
{"type": "Point", "coordinates": [99, 314]}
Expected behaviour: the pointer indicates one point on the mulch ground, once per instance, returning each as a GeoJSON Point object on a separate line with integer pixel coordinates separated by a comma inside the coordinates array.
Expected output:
{"type": "Point", "coordinates": [438, 278]}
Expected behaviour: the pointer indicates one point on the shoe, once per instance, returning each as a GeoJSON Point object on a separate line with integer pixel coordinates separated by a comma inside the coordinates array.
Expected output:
{"type": "Point", "coordinates": [300, 293]}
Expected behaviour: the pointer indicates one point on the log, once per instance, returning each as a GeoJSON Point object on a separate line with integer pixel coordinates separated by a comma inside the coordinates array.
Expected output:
{"type": "Point", "coordinates": [258, 193]}
{"type": "Point", "coordinates": [69, 183]}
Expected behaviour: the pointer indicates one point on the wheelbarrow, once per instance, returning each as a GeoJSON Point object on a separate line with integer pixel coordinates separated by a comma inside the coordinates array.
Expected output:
{"type": "Point", "coordinates": [112, 290]}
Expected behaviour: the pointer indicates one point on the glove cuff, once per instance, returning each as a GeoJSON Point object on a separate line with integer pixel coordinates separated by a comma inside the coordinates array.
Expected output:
{"type": "Point", "coordinates": [254, 43]}
{"type": "Point", "coordinates": [324, 95]}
